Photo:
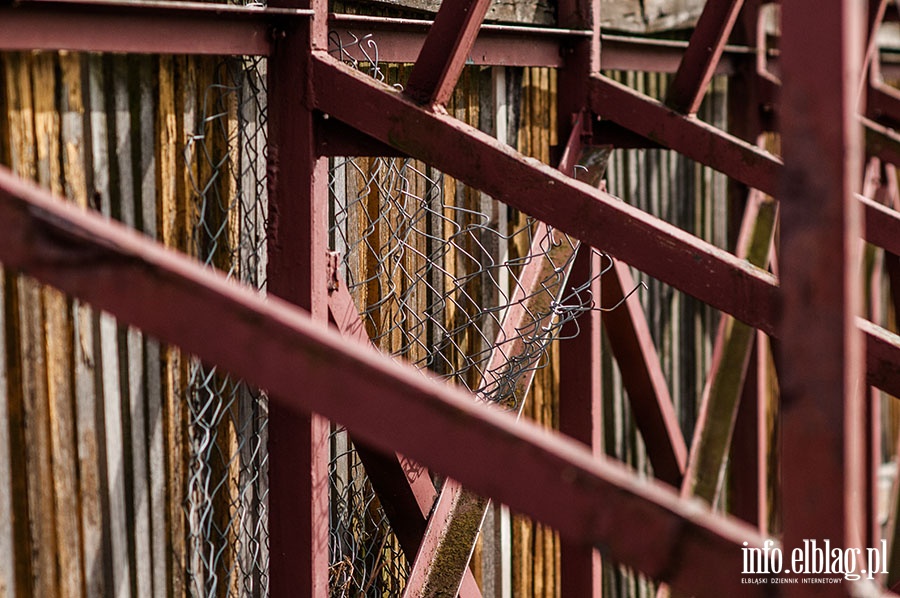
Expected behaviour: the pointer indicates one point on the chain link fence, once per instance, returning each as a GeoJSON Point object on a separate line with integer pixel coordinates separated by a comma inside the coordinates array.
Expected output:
{"type": "Point", "coordinates": [434, 267]}
{"type": "Point", "coordinates": [226, 498]}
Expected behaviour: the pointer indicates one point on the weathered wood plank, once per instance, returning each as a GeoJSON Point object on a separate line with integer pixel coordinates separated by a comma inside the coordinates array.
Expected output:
{"type": "Point", "coordinates": [130, 341]}
{"type": "Point", "coordinates": [170, 189]}
{"type": "Point", "coordinates": [108, 343]}
{"type": "Point", "coordinates": [156, 456]}
{"type": "Point", "coordinates": [58, 346]}
{"type": "Point", "coordinates": [7, 539]}
{"type": "Point", "coordinates": [7, 526]}
{"type": "Point", "coordinates": [31, 362]}
{"type": "Point", "coordinates": [19, 126]}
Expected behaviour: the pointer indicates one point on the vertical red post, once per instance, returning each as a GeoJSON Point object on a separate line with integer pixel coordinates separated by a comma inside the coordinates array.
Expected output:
{"type": "Point", "coordinates": [580, 416]}
{"type": "Point", "coordinates": [821, 352]}
{"type": "Point", "coordinates": [582, 57]}
{"type": "Point", "coordinates": [297, 245]}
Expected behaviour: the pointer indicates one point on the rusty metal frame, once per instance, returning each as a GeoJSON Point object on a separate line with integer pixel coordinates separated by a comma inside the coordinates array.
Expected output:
{"type": "Point", "coordinates": [438, 426]}
{"type": "Point", "coordinates": [197, 309]}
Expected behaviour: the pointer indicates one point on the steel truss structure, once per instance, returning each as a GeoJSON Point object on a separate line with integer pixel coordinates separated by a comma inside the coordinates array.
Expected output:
{"type": "Point", "coordinates": [821, 90]}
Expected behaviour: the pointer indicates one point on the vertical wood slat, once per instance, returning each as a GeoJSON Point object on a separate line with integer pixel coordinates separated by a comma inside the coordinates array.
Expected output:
{"type": "Point", "coordinates": [31, 367]}
{"type": "Point", "coordinates": [106, 329]}
{"type": "Point", "coordinates": [535, 548]}
{"type": "Point", "coordinates": [95, 468]}
{"type": "Point", "coordinates": [7, 532]}
{"type": "Point", "coordinates": [156, 456]}
{"type": "Point", "coordinates": [87, 409]}
{"type": "Point", "coordinates": [27, 406]}
{"type": "Point", "coordinates": [57, 346]}
{"type": "Point", "coordinates": [130, 340]}
{"type": "Point", "coordinates": [7, 541]}
{"type": "Point", "coordinates": [168, 193]}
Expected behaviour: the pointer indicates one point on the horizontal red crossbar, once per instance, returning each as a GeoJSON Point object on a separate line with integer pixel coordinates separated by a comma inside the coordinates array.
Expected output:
{"type": "Point", "coordinates": [148, 28]}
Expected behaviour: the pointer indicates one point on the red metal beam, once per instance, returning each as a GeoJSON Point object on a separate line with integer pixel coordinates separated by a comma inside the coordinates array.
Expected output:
{"type": "Point", "coordinates": [400, 40]}
{"type": "Point", "coordinates": [404, 488]}
{"type": "Point", "coordinates": [334, 138]}
{"type": "Point", "coordinates": [702, 55]}
{"type": "Point", "coordinates": [454, 525]}
{"type": "Point", "coordinates": [441, 564]}
{"type": "Point", "coordinates": [882, 141]}
{"type": "Point", "coordinates": [883, 104]}
{"type": "Point", "coordinates": [580, 416]}
{"type": "Point", "coordinates": [444, 52]}
{"type": "Point", "coordinates": [223, 29]}
{"type": "Point", "coordinates": [748, 490]}
{"type": "Point", "coordinates": [272, 344]}
{"type": "Point", "coordinates": [629, 53]}
{"type": "Point", "coordinates": [648, 243]}
{"type": "Point", "coordinates": [882, 357]}
{"type": "Point", "coordinates": [297, 242]}
{"type": "Point", "coordinates": [820, 374]}
{"type": "Point", "coordinates": [739, 159]}
{"type": "Point", "coordinates": [139, 27]}
{"type": "Point", "coordinates": [882, 224]}
{"type": "Point", "coordinates": [643, 378]}
{"type": "Point", "coordinates": [732, 156]}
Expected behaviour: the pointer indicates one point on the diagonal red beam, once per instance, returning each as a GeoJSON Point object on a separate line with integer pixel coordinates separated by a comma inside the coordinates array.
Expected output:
{"type": "Point", "coordinates": [694, 138]}
{"type": "Point", "coordinates": [882, 141]}
{"type": "Point", "coordinates": [732, 156]}
{"type": "Point", "coordinates": [702, 55]}
{"type": "Point", "coordinates": [882, 357]}
{"type": "Point", "coordinates": [883, 104]}
{"type": "Point", "coordinates": [882, 224]}
{"type": "Point", "coordinates": [455, 522]}
{"type": "Point", "coordinates": [445, 49]}
{"type": "Point", "coordinates": [652, 245]}
{"type": "Point", "coordinates": [404, 488]}
{"type": "Point", "coordinates": [307, 367]}
{"type": "Point", "coordinates": [871, 65]}
{"type": "Point", "coordinates": [457, 517]}
{"type": "Point", "coordinates": [643, 378]}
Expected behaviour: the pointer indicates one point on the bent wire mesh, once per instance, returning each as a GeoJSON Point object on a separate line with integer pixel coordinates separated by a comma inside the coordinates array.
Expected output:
{"type": "Point", "coordinates": [443, 277]}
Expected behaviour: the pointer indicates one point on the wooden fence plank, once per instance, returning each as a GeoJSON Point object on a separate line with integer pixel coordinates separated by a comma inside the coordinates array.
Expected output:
{"type": "Point", "coordinates": [7, 526]}
{"type": "Point", "coordinates": [58, 346]}
{"type": "Point", "coordinates": [130, 341]}
{"type": "Point", "coordinates": [170, 192]}
{"type": "Point", "coordinates": [108, 343]}
{"type": "Point", "coordinates": [88, 415]}
{"type": "Point", "coordinates": [7, 540]}
{"type": "Point", "coordinates": [32, 365]}
{"type": "Point", "coordinates": [21, 150]}
{"type": "Point", "coordinates": [153, 356]}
